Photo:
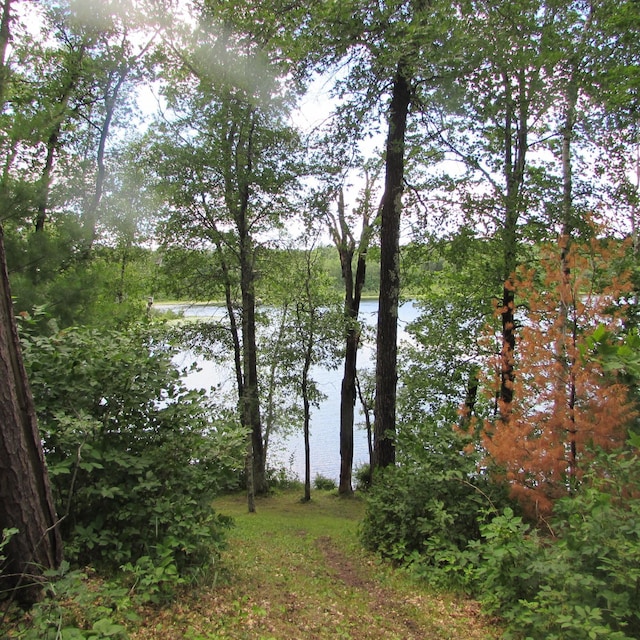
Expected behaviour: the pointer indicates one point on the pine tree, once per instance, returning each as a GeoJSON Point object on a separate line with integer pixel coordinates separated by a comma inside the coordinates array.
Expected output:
{"type": "Point", "coordinates": [565, 404]}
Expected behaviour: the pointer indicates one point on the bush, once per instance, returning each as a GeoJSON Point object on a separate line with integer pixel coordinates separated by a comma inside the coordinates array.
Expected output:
{"type": "Point", "coordinates": [363, 477]}
{"type": "Point", "coordinates": [584, 582]}
{"type": "Point", "coordinates": [322, 483]}
{"type": "Point", "coordinates": [134, 457]}
{"type": "Point", "coordinates": [283, 479]}
{"type": "Point", "coordinates": [423, 517]}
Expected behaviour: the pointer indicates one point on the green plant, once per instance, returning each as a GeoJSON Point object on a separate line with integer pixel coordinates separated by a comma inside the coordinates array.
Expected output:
{"type": "Point", "coordinates": [76, 605]}
{"type": "Point", "coordinates": [584, 581]}
{"type": "Point", "coordinates": [135, 458]}
{"type": "Point", "coordinates": [154, 579]}
{"type": "Point", "coordinates": [412, 512]}
{"type": "Point", "coordinates": [282, 479]}
{"type": "Point", "coordinates": [322, 483]}
{"type": "Point", "coordinates": [6, 536]}
{"type": "Point", "coordinates": [362, 477]}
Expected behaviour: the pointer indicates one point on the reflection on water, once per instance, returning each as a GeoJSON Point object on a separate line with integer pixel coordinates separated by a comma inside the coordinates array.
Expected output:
{"type": "Point", "coordinates": [325, 419]}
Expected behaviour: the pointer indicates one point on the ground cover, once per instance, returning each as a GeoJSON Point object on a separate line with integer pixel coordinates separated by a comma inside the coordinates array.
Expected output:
{"type": "Point", "coordinates": [295, 570]}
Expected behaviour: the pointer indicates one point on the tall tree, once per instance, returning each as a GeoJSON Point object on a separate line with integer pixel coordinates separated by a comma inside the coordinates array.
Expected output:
{"type": "Point", "coordinates": [394, 52]}
{"type": "Point", "coordinates": [545, 446]}
{"type": "Point", "coordinates": [390, 217]}
{"type": "Point", "coordinates": [348, 248]}
{"type": "Point", "coordinates": [26, 503]}
{"type": "Point", "coordinates": [227, 165]}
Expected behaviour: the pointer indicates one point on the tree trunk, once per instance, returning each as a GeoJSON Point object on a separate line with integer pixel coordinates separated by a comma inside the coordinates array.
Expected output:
{"type": "Point", "coordinates": [347, 410]}
{"type": "Point", "coordinates": [251, 399]}
{"type": "Point", "coordinates": [387, 348]}
{"type": "Point", "coordinates": [26, 503]}
{"type": "Point", "coordinates": [515, 148]}
{"type": "Point", "coordinates": [353, 285]}
{"type": "Point", "coordinates": [53, 141]}
{"type": "Point", "coordinates": [567, 348]}
{"type": "Point", "coordinates": [307, 422]}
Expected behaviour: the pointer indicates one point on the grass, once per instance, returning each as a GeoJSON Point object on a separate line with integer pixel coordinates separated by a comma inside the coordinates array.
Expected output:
{"type": "Point", "coordinates": [295, 570]}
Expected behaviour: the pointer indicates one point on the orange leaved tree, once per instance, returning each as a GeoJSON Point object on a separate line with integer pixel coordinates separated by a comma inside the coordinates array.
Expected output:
{"type": "Point", "coordinates": [564, 405]}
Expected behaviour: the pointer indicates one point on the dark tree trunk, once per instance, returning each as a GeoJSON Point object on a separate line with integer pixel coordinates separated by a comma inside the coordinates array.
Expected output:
{"type": "Point", "coordinates": [26, 503]}
{"type": "Point", "coordinates": [251, 399]}
{"type": "Point", "coordinates": [387, 348]}
{"type": "Point", "coordinates": [515, 149]}
{"type": "Point", "coordinates": [353, 284]}
{"type": "Point", "coordinates": [53, 141]}
{"type": "Point", "coordinates": [307, 422]}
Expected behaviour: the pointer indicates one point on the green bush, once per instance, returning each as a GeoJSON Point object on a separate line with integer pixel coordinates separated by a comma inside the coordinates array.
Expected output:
{"type": "Point", "coordinates": [76, 605]}
{"type": "Point", "coordinates": [362, 476]}
{"type": "Point", "coordinates": [423, 517]}
{"type": "Point", "coordinates": [582, 582]}
{"type": "Point", "coordinates": [134, 457]}
{"type": "Point", "coordinates": [322, 483]}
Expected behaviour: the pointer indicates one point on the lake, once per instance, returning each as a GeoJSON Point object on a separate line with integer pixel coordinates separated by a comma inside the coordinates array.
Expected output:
{"type": "Point", "coordinates": [325, 419]}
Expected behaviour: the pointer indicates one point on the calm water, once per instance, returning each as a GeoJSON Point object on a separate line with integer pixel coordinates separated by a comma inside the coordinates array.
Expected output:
{"type": "Point", "coordinates": [325, 419]}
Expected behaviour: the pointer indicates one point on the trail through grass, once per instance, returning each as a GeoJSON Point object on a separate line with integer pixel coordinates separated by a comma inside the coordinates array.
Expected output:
{"type": "Point", "coordinates": [296, 572]}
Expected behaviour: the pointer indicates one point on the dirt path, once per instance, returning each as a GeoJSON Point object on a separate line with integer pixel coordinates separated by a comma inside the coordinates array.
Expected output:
{"type": "Point", "coordinates": [296, 572]}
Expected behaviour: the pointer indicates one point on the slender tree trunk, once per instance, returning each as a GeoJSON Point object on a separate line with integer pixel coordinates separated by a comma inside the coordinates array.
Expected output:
{"type": "Point", "coordinates": [251, 399]}
{"type": "Point", "coordinates": [45, 179]}
{"type": "Point", "coordinates": [26, 503]}
{"type": "Point", "coordinates": [567, 347]}
{"type": "Point", "coordinates": [515, 147]}
{"type": "Point", "coordinates": [270, 409]}
{"type": "Point", "coordinates": [387, 348]}
{"type": "Point", "coordinates": [90, 218]}
{"type": "Point", "coordinates": [307, 421]}
{"type": "Point", "coordinates": [346, 246]}
{"type": "Point", "coordinates": [366, 408]}
{"type": "Point", "coordinates": [53, 141]}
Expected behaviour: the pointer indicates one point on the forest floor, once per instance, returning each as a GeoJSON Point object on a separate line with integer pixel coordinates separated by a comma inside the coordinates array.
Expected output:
{"type": "Point", "coordinates": [295, 571]}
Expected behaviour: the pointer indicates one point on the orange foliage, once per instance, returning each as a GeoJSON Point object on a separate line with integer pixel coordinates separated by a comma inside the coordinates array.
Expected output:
{"type": "Point", "coordinates": [563, 404]}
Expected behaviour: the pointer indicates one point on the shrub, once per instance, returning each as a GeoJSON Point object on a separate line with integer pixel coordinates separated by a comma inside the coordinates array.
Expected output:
{"type": "Point", "coordinates": [584, 582]}
{"type": "Point", "coordinates": [135, 458]}
{"type": "Point", "coordinates": [322, 483]}
{"type": "Point", "coordinates": [423, 517]}
{"type": "Point", "coordinates": [282, 478]}
{"type": "Point", "coordinates": [363, 477]}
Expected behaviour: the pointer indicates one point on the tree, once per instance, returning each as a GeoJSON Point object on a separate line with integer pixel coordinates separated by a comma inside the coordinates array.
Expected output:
{"type": "Point", "coordinates": [26, 504]}
{"type": "Point", "coordinates": [226, 162]}
{"type": "Point", "coordinates": [396, 53]}
{"type": "Point", "coordinates": [390, 216]}
{"type": "Point", "coordinates": [314, 326]}
{"type": "Point", "coordinates": [348, 247]}
{"type": "Point", "coordinates": [565, 403]}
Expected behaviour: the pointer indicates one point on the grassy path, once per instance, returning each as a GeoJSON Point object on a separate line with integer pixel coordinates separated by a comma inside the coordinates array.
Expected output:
{"type": "Point", "coordinates": [297, 573]}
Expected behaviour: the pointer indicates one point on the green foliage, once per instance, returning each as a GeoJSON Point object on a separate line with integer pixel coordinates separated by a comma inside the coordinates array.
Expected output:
{"type": "Point", "coordinates": [282, 479]}
{"type": "Point", "coordinates": [425, 513]}
{"type": "Point", "coordinates": [362, 475]}
{"type": "Point", "coordinates": [582, 583]}
{"type": "Point", "coordinates": [4, 541]}
{"type": "Point", "coordinates": [322, 483]}
{"type": "Point", "coordinates": [108, 289]}
{"type": "Point", "coordinates": [76, 606]}
{"type": "Point", "coordinates": [135, 458]}
{"type": "Point", "coordinates": [155, 578]}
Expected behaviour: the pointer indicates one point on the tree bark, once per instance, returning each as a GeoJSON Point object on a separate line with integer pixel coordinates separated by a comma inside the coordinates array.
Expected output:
{"type": "Point", "coordinates": [353, 284]}
{"type": "Point", "coordinates": [53, 141]}
{"type": "Point", "coordinates": [26, 502]}
{"type": "Point", "coordinates": [386, 342]}
{"type": "Point", "coordinates": [515, 148]}
{"type": "Point", "coordinates": [307, 418]}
